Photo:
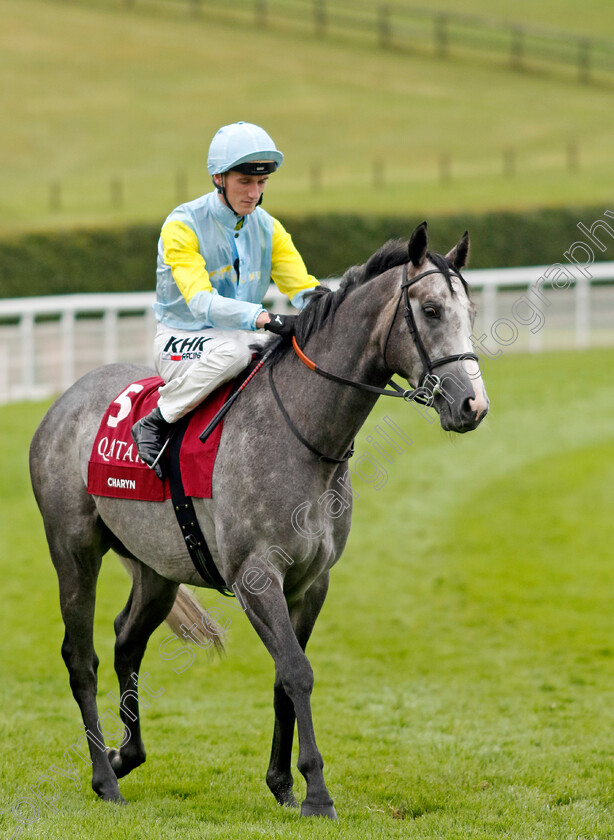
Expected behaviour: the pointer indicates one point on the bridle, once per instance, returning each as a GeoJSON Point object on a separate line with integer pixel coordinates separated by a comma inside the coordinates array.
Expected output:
{"type": "Point", "coordinates": [423, 393]}
{"type": "Point", "coordinates": [429, 384]}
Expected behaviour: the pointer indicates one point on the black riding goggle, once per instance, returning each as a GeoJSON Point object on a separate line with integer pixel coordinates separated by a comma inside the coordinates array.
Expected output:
{"type": "Point", "coordinates": [255, 167]}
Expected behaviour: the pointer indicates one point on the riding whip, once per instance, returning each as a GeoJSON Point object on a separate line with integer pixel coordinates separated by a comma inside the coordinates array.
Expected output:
{"type": "Point", "coordinates": [225, 408]}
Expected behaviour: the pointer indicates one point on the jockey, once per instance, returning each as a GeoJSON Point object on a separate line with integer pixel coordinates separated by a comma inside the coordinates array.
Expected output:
{"type": "Point", "coordinates": [216, 258]}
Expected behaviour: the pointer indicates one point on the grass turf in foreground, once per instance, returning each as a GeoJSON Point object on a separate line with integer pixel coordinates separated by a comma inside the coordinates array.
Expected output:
{"type": "Point", "coordinates": [463, 659]}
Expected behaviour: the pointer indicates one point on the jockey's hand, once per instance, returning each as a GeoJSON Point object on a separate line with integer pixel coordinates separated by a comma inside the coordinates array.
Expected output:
{"type": "Point", "coordinates": [282, 325]}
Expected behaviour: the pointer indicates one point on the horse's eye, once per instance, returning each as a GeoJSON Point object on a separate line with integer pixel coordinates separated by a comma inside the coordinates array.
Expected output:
{"type": "Point", "coordinates": [430, 310]}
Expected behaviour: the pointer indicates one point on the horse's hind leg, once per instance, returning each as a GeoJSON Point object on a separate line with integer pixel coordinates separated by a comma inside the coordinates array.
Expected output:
{"type": "Point", "coordinates": [150, 601]}
{"type": "Point", "coordinates": [77, 541]}
{"type": "Point", "coordinates": [77, 569]}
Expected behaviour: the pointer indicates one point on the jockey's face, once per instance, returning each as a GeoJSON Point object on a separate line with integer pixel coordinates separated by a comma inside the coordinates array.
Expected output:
{"type": "Point", "coordinates": [243, 191]}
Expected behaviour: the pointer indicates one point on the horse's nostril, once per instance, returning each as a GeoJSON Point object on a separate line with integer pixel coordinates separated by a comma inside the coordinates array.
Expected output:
{"type": "Point", "coordinates": [476, 408]}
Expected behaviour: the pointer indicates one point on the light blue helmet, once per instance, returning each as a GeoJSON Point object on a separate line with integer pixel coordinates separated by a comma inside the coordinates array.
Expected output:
{"type": "Point", "coordinates": [240, 143]}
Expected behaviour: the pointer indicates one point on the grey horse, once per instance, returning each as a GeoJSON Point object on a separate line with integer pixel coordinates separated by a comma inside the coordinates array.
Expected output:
{"type": "Point", "coordinates": [282, 463]}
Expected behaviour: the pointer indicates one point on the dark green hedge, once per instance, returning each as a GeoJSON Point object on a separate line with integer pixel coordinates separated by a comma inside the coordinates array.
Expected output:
{"type": "Point", "coordinates": [330, 243]}
{"type": "Point", "coordinates": [124, 259]}
{"type": "Point", "coordinates": [62, 262]}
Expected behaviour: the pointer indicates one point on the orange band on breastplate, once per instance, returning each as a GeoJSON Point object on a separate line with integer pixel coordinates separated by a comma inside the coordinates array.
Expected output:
{"type": "Point", "coordinates": [304, 359]}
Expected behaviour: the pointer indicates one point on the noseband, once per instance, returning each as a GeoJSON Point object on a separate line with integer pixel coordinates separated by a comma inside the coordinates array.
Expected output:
{"type": "Point", "coordinates": [429, 384]}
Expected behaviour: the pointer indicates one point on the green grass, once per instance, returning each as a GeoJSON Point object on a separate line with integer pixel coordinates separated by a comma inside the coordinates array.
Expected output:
{"type": "Point", "coordinates": [463, 659]}
{"type": "Point", "coordinates": [103, 94]}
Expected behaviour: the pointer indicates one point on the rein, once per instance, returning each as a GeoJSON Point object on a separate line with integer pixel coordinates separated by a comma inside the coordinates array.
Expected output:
{"type": "Point", "coordinates": [429, 384]}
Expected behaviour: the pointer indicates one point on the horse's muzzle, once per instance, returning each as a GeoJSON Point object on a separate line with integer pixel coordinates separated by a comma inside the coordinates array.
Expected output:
{"type": "Point", "coordinates": [463, 414]}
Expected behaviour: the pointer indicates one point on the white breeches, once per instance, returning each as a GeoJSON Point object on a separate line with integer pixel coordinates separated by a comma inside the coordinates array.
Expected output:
{"type": "Point", "coordinates": [193, 364]}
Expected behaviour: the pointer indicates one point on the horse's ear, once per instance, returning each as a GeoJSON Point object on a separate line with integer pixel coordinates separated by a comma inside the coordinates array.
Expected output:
{"type": "Point", "coordinates": [459, 255]}
{"type": "Point", "coordinates": [418, 242]}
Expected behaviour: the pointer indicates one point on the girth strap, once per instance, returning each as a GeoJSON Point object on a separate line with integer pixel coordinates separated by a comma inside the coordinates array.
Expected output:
{"type": "Point", "coordinates": [186, 516]}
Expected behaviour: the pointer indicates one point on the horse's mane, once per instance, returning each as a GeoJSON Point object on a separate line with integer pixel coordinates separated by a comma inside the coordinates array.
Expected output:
{"type": "Point", "coordinates": [323, 302]}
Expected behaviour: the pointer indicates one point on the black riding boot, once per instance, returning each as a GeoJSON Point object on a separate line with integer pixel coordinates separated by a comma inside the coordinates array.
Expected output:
{"type": "Point", "coordinates": [150, 434]}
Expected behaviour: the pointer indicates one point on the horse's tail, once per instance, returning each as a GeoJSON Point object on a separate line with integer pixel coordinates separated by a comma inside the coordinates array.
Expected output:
{"type": "Point", "coordinates": [188, 610]}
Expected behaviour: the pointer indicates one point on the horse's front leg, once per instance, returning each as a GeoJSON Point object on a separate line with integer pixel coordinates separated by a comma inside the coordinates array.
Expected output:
{"type": "Point", "coordinates": [268, 612]}
{"type": "Point", "coordinates": [303, 615]}
{"type": "Point", "coordinates": [279, 775]}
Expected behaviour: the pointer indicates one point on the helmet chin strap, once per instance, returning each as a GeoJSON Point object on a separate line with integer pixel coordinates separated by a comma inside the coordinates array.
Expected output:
{"type": "Point", "coordinates": [222, 191]}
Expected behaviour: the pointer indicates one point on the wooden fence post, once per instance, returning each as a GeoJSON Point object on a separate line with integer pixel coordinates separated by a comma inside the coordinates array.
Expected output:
{"type": "Point", "coordinates": [584, 60]}
{"type": "Point", "coordinates": [315, 176]}
{"type": "Point", "coordinates": [181, 186]}
{"type": "Point", "coordinates": [319, 17]}
{"type": "Point", "coordinates": [383, 26]}
{"type": "Point", "coordinates": [445, 168]}
{"type": "Point", "coordinates": [516, 47]}
{"type": "Point", "coordinates": [572, 156]}
{"type": "Point", "coordinates": [509, 161]}
{"type": "Point", "coordinates": [440, 34]}
{"type": "Point", "coordinates": [260, 13]}
{"type": "Point", "coordinates": [117, 193]}
{"type": "Point", "coordinates": [55, 196]}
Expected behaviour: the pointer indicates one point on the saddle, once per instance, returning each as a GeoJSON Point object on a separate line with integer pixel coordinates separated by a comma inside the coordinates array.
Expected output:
{"type": "Point", "coordinates": [115, 469]}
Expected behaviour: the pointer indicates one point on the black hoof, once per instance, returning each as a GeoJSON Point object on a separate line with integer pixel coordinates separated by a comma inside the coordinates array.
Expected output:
{"type": "Point", "coordinates": [110, 794]}
{"type": "Point", "coordinates": [281, 788]}
{"type": "Point", "coordinates": [309, 810]}
{"type": "Point", "coordinates": [288, 800]}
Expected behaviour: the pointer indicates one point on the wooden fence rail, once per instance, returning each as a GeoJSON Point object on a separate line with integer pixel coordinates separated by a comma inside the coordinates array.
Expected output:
{"type": "Point", "coordinates": [444, 168]}
{"type": "Point", "coordinates": [441, 33]}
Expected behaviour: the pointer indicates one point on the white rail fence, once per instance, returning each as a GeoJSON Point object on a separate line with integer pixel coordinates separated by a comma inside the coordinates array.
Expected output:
{"type": "Point", "coordinates": [47, 343]}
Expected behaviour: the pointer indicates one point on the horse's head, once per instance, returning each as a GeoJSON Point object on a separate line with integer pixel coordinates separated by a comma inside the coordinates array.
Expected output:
{"type": "Point", "coordinates": [429, 338]}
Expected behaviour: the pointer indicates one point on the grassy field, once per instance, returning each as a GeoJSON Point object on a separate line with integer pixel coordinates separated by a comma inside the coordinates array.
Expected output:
{"type": "Point", "coordinates": [463, 660]}
{"type": "Point", "coordinates": [108, 114]}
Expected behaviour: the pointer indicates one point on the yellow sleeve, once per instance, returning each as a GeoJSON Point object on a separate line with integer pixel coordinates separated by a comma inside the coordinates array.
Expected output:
{"type": "Point", "coordinates": [288, 270]}
{"type": "Point", "coordinates": [187, 263]}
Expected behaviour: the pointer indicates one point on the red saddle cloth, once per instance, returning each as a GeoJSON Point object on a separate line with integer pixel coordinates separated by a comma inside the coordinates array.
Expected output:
{"type": "Point", "coordinates": [115, 468]}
